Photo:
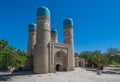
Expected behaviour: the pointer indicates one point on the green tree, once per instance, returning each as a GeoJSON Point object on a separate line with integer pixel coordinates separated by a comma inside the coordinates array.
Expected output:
{"type": "Point", "coordinates": [96, 58]}
{"type": "Point", "coordinates": [114, 55]}
{"type": "Point", "coordinates": [76, 54]}
{"type": "Point", "coordinates": [10, 57]}
{"type": "Point", "coordinates": [20, 58]}
{"type": "Point", "coordinates": [87, 55]}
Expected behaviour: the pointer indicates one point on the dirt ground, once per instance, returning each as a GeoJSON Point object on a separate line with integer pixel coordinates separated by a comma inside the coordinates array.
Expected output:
{"type": "Point", "coordinates": [79, 75]}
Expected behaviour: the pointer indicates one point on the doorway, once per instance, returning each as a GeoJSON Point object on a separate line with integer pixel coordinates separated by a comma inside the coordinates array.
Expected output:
{"type": "Point", "coordinates": [58, 67]}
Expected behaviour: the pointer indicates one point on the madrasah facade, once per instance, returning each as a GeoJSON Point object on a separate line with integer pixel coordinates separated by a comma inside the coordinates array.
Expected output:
{"type": "Point", "coordinates": [44, 53]}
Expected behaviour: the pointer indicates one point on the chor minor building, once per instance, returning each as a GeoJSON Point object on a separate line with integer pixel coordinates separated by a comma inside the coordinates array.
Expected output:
{"type": "Point", "coordinates": [44, 53]}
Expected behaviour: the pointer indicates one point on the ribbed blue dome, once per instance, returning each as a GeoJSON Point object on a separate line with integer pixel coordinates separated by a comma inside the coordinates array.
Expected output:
{"type": "Point", "coordinates": [53, 32]}
{"type": "Point", "coordinates": [43, 11]}
{"type": "Point", "coordinates": [32, 27]}
{"type": "Point", "coordinates": [68, 22]}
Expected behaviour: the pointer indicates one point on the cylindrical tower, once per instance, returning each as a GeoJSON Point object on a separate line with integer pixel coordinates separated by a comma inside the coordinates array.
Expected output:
{"type": "Point", "coordinates": [42, 41]}
{"type": "Point", "coordinates": [31, 44]}
{"type": "Point", "coordinates": [54, 35]}
{"type": "Point", "coordinates": [68, 39]}
{"type": "Point", "coordinates": [68, 31]}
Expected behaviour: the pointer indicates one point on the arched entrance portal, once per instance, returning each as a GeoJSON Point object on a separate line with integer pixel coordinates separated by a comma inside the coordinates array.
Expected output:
{"type": "Point", "coordinates": [58, 67]}
{"type": "Point", "coordinates": [60, 61]}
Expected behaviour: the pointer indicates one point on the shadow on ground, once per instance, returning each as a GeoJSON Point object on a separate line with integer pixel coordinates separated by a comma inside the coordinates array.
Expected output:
{"type": "Point", "coordinates": [8, 77]}
{"type": "Point", "coordinates": [111, 72]}
{"type": "Point", "coordinates": [103, 71]}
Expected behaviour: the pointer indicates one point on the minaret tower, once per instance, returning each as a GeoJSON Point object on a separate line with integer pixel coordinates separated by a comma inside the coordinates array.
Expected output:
{"type": "Point", "coordinates": [31, 43]}
{"type": "Point", "coordinates": [41, 51]}
{"type": "Point", "coordinates": [68, 39]}
{"type": "Point", "coordinates": [54, 36]}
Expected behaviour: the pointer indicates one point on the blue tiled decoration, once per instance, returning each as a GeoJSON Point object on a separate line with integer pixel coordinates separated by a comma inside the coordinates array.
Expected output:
{"type": "Point", "coordinates": [32, 27]}
{"type": "Point", "coordinates": [53, 32]}
{"type": "Point", "coordinates": [43, 11]}
{"type": "Point", "coordinates": [68, 22]}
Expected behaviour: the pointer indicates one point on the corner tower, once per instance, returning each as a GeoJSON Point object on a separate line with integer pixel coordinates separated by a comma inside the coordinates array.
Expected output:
{"type": "Point", "coordinates": [54, 35]}
{"type": "Point", "coordinates": [31, 44]}
{"type": "Point", "coordinates": [68, 39]}
{"type": "Point", "coordinates": [41, 51]}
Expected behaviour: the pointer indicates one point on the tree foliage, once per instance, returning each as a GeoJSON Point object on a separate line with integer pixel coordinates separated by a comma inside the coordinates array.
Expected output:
{"type": "Point", "coordinates": [9, 56]}
{"type": "Point", "coordinates": [96, 58]}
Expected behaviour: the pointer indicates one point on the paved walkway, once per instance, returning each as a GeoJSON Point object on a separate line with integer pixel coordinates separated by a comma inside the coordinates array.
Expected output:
{"type": "Point", "coordinates": [79, 75]}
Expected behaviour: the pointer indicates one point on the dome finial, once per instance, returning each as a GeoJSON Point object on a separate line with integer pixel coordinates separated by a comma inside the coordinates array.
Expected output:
{"type": "Point", "coordinates": [32, 27]}
{"type": "Point", "coordinates": [53, 32]}
{"type": "Point", "coordinates": [68, 22]}
{"type": "Point", "coordinates": [43, 11]}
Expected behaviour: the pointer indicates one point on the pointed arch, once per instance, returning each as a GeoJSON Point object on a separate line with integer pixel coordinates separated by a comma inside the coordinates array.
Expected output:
{"type": "Point", "coordinates": [60, 61]}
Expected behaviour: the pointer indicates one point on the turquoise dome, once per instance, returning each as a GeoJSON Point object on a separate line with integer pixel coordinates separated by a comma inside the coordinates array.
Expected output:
{"type": "Point", "coordinates": [32, 27]}
{"type": "Point", "coordinates": [53, 32]}
{"type": "Point", "coordinates": [43, 11]}
{"type": "Point", "coordinates": [68, 22]}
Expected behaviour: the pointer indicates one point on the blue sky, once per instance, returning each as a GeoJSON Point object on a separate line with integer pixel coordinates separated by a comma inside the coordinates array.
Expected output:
{"type": "Point", "coordinates": [96, 22]}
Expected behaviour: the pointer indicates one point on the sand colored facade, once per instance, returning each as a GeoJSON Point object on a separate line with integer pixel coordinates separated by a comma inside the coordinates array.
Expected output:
{"type": "Point", "coordinates": [79, 62]}
{"type": "Point", "coordinates": [44, 53]}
